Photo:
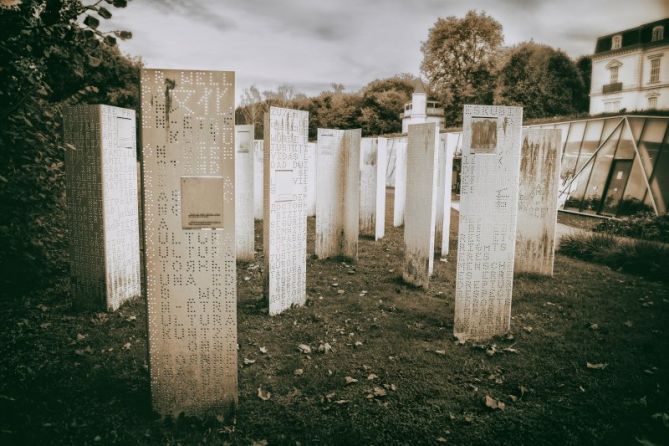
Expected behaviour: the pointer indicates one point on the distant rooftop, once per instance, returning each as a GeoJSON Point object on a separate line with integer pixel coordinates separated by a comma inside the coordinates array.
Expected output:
{"type": "Point", "coordinates": [641, 36]}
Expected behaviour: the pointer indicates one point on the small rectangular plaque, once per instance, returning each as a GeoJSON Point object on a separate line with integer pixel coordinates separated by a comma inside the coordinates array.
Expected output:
{"type": "Point", "coordinates": [484, 135]}
{"type": "Point", "coordinates": [202, 202]}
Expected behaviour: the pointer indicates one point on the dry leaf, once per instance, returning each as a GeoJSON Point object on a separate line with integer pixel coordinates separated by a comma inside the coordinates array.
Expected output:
{"type": "Point", "coordinates": [441, 440]}
{"type": "Point", "coordinates": [303, 348]}
{"type": "Point", "coordinates": [127, 346]}
{"type": "Point", "coordinates": [81, 337]}
{"type": "Point", "coordinates": [263, 394]}
{"type": "Point", "coordinates": [350, 380]}
{"type": "Point", "coordinates": [392, 387]}
{"type": "Point", "coordinates": [298, 372]}
{"type": "Point", "coordinates": [371, 376]}
{"type": "Point", "coordinates": [248, 361]}
{"type": "Point", "coordinates": [380, 391]}
{"type": "Point", "coordinates": [263, 350]}
{"type": "Point", "coordinates": [357, 344]}
{"type": "Point", "coordinates": [596, 366]}
{"type": "Point", "coordinates": [340, 402]}
{"type": "Point", "coordinates": [528, 329]}
{"type": "Point", "coordinates": [510, 350]}
{"type": "Point", "coordinates": [440, 352]}
{"type": "Point", "coordinates": [493, 403]}
{"type": "Point", "coordinates": [324, 348]}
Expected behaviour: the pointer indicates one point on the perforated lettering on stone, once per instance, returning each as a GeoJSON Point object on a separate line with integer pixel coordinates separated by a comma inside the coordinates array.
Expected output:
{"type": "Point", "coordinates": [537, 201]}
{"type": "Point", "coordinates": [102, 205]}
{"type": "Point", "coordinates": [419, 217]}
{"type": "Point", "coordinates": [188, 135]}
{"type": "Point", "coordinates": [338, 183]}
{"type": "Point", "coordinates": [380, 188]}
{"type": "Point", "coordinates": [285, 213]}
{"type": "Point", "coordinates": [487, 230]}
{"type": "Point", "coordinates": [244, 188]}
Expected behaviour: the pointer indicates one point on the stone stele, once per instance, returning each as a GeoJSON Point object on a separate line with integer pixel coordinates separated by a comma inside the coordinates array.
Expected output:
{"type": "Point", "coordinates": [487, 231]}
{"type": "Point", "coordinates": [285, 220]}
{"type": "Point", "coordinates": [448, 141]}
{"type": "Point", "coordinates": [338, 184]}
{"type": "Point", "coordinates": [368, 172]}
{"type": "Point", "coordinates": [311, 179]}
{"type": "Point", "coordinates": [419, 217]}
{"type": "Point", "coordinates": [102, 205]}
{"type": "Point", "coordinates": [400, 149]}
{"type": "Point", "coordinates": [188, 161]}
{"type": "Point", "coordinates": [537, 201]}
{"type": "Point", "coordinates": [380, 188]}
{"type": "Point", "coordinates": [257, 179]}
{"type": "Point", "coordinates": [244, 192]}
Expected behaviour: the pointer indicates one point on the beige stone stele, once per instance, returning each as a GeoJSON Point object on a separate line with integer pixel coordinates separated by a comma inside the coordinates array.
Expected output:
{"type": "Point", "coordinates": [188, 162]}
{"type": "Point", "coordinates": [538, 201]}
{"type": "Point", "coordinates": [419, 217]}
{"type": "Point", "coordinates": [487, 229]}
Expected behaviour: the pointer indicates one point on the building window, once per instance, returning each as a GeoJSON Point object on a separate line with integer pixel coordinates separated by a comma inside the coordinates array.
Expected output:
{"type": "Point", "coordinates": [614, 74]}
{"type": "Point", "coordinates": [652, 102]}
{"type": "Point", "coordinates": [658, 33]}
{"type": "Point", "coordinates": [655, 70]}
{"type": "Point", "coordinates": [612, 106]}
{"type": "Point", "coordinates": [616, 42]}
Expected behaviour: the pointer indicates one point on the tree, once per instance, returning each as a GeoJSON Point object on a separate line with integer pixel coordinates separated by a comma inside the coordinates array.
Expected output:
{"type": "Point", "coordinates": [584, 66]}
{"type": "Point", "coordinates": [459, 61]}
{"type": "Point", "coordinates": [53, 55]}
{"type": "Point", "coordinates": [543, 80]}
{"type": "Point", "coordinates": [252, 109]}
{"type": "Point", "coordinates": [382, 102]}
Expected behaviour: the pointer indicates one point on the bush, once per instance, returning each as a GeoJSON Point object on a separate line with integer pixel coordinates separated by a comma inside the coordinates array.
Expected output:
{"type": "Point", "coordinates": [645, 226]}
{"type": "Point", "coordinates": [643, 258]}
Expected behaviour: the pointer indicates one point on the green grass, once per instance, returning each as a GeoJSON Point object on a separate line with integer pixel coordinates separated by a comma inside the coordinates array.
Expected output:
{"type": "Point", "coordinates": [60, 388]}
{"type": "Point", "coordinates": [643, 258]}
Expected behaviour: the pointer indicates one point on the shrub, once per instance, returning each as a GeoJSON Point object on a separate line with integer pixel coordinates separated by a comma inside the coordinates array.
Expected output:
{"type": "Point", "coordinates": [645, 226]}
{"type": "Point", "coordinates": [643, 258]}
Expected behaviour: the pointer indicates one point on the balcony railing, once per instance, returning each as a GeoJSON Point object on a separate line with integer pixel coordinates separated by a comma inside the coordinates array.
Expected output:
{"type": "Point", "coordinates": [612, 88]}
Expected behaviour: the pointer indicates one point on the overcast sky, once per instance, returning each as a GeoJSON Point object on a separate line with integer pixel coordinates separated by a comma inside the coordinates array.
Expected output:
{"type": "Point", "coordinates": [310, 44]}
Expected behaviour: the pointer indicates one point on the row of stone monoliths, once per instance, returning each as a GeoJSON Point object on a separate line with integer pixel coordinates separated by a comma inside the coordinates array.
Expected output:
{"type": "Point", "coordinates": [190, 241]}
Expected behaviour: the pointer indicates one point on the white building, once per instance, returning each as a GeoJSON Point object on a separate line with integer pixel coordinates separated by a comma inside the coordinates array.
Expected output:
{"type": "Point", "coordinates": [421, 110]}
{"type": "Point", "coordinates": [630, 70]}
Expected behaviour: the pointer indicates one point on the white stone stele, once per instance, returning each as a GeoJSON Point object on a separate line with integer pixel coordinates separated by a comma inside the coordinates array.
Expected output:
{"type": "Point", "coordinates": [257, 179]}
{"type": "Point", "coordinates": [368, 173]}
{"type": "Point", "coordinates": [419, 219]}
{"type": "Point", "coordinates": [102, 205]}
{"type": "Point", "coordinates": [338, 183]}
{"type": "Point", "coordinates": [538, 201]}
{"type": "Point", "coordinates": [244, 188]}
{"type": "Point", "coordinates": [380, 189]}
{"type": "Point", "coordinates": [450, 142]}
{"type": "Point", "coordinates": [487, 231]}
{"type": "Point", "coordinates": [311, 179]}
{"type": "Point", "coordinates": [400, 149]}
{"type": "Point", "coordinates": [188, 161]}
{"type": "Point", "coordinates": [285, 220]}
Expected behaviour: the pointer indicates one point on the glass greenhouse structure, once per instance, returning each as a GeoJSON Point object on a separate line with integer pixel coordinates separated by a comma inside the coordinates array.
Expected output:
{"type": "Point", "coordinates": [613, 166]}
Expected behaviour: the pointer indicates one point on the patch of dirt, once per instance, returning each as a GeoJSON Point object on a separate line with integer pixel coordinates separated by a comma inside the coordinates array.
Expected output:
{"type": "Point", "coordinates": [388, 370]}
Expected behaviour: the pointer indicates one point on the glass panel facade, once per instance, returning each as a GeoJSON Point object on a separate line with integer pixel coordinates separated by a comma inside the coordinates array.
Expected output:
{"type": "Point", "coordinates": [659, 184]}
{"type": "Point", "coordinates": [633, 198]}
{"type": "Point", "coordinates": [572, 147]}
{"type": "Point", "coordinates": [600, 172]}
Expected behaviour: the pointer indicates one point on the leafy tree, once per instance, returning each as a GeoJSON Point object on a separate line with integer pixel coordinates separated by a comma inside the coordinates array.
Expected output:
{"type": "Point", "coordinates": [545, 81]}
{"type": "Point", "coordinates": [382, 102]}
{"type": "Point", "coordinates": [459, 59]}
{"type": "Point", "coordinates": [53, 54]}
{"type": "Point", "coordinates": [584, 66]}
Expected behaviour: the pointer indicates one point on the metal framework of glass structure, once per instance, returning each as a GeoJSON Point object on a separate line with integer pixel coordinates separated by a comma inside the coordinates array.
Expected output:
{"type": "Point", "coordinates": [613, 166]}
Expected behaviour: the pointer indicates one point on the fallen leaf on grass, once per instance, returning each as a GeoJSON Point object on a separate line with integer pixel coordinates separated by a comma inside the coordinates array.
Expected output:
{"type": "Point", "coordinates": [263, 350]}
{"type": "Point", "coordinates": [645, 442]}
{"type": "Point", "coordinates": [628, 324]}
{"type": "Point", "coordinates": [303, 348]}
{"type": "Point", "coordinates": [594, 327]}
{"type": "Point", "coordinates": [263, 394]}
{"type": "Point", "coordinates": [350, 380]}
{"type": "Point", "coordinates": [340, 291]}
{"type": "Point", "coordinates": [81, 337]}
{"type": "Point", "coordinates": [248, 361]}
{"type": "Point", "coordinates": [371, 376]}
{"type": "Point", "coordinates": [45, 325]}
{"type": "Point", "coordinates": [494, 404]}
{"type": "Point", "coordinates": [528, 329]}
{"type": "Point", "coordinates": [324, 348]}
{"type": "Point", "coordinates": [492, 350]}
{"type": "Point", "coordinates": [510, 350]}
{"type": "Point", "coordinates": [596, 366]}
{"type": "Point", "coordinates": [440, 352]}
{"type": "Point", "coordinates": [127, 346]}
{"type": "Point", "coordinates": [298, 372]}
{"type": "Point", "coordinates": [441, 440]}
{"type": "Point", "coordinates": [379, 392]}
{"type": "Point", "coordinates": [663, 417]}
{"type": "Point", "coordinates": [357, 344]}
{"type": "Point", "coordinates": [340, 402]}
{"type": "Point", "coordinates": [392, 387]}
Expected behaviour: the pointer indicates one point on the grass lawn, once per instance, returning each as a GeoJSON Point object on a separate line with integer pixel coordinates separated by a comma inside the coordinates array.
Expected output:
{"type": "Point", "coordinates": [68, 377]}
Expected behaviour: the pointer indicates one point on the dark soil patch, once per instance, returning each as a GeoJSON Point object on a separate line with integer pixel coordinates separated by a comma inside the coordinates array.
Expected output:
{"type": "Point", "coordinates": [68, 377]}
